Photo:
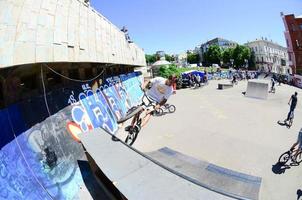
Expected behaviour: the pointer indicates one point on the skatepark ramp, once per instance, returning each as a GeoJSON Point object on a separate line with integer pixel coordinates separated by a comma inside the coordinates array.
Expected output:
{"type": "Point", "coordinates": [257, 89]}
{"type": "Point", "coordinates": [136, 175]}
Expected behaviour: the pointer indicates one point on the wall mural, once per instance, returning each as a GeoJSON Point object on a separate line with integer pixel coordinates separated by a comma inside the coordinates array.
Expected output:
{"type": "Point", "coordinates": [41, 161]}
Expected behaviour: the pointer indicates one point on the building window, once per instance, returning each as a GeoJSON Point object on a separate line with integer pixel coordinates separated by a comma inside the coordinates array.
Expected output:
{"type": "Point", "coordinates": [29, 82]}
{"type": "Point", "coordinates": [88, 73]}
{"type": "Point", "coordinates": [74, 73]}
{"type": "Point", "coordinates": [53, 80]}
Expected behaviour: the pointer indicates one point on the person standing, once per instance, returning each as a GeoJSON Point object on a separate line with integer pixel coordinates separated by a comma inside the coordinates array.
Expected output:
{"type": "Point", "coordinates": [293, 103]}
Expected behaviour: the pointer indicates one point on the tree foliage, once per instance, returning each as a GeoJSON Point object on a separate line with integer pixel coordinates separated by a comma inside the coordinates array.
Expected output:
{"type": "Point", "coordinates": [193, 58]}
{"type": "Point", "coordinates": [240, 54]}
{"type": "Point", "coordinates": [166, 71]}
{"type": "Point", "coordinates": [213, 55]}
{"type": "Point", "coordinates": [150, 58]}
{"type": "Point", "coordinates": [227, 55]}
{"type": "Point", "coordinates": [169, 58]}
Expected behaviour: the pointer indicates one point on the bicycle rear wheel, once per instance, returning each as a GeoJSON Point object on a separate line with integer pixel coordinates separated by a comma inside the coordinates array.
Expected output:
{"type": "Point", "coordinates": [284, 157]}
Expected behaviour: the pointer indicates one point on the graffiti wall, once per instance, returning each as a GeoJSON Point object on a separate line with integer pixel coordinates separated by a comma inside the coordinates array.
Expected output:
{"type": "Point", "coordinates": [40, 152]}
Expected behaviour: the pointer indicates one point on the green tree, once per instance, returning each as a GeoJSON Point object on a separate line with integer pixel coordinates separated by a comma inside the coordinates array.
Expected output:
{"type": "Point", "coordinates": [227, 55]}
{"type": "Point", "coordinates": [165, 71]}
{"type": "Point", "coordinates": [213, 55]}
{"type": "Point", "coordinates": [150, 58]}
{"type": "Point", "coordinates": [193, 58]}
{"type": "Point", "coordinates": [240, 54]}
{"type": "Point", "coordinates": [169, 58]}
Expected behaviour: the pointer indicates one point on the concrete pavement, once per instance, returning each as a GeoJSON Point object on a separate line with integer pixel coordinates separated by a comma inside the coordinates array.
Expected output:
{"type": "Point", "coordinates": [225, 128]}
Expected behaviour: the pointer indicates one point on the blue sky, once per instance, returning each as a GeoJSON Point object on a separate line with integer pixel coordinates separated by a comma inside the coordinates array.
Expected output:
{"type": "Point", "coordinates": [178, 25]}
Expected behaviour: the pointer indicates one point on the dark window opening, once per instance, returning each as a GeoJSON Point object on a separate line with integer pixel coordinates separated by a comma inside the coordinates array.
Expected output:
{"type": "Point", "coordinates": [74, 74]}
{"type": "Point", "coordinates": [88, 73]}
{"type": "Point", "coordinates": [53, 79]}
{"type": "Point", "coordinates": [29, 82]}
{"type": "Point", "coordinates": [1, 95]}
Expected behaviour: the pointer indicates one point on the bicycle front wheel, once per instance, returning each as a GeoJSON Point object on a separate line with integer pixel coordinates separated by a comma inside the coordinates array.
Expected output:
{"type": "Point", "coordinates": [284, 157]}
{"type": "Point", "coordinates": [172, 108]}
{"type": "Point", "coordinates": [299, 157]}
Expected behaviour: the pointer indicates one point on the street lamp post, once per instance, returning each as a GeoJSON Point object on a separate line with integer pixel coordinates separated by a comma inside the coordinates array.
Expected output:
{"type": "Point", "coordinates": [232, 62]}
{"type": "Point", "coordinates": [246, 63]}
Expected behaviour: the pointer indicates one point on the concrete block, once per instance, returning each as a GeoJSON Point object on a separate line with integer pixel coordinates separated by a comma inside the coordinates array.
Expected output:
{"type": "Point", "coordinates": [83, 55]}
{"type": "Point", "coordinates": [60, 53]}
{"type": "Point", "coordinates": [83, 37]}
{"type": "Point", "coordinates": [46, 20]}
{"type": "Point", "coordinates": [44, 53]}
{"type": "Point", "coordinates": [8, 34]}
{"type": "Point", "coordinates": [11, 15]}
{"type": "Point", "coordinates": [83, 12]}
{"type": "Point", "coordinates": [24, 34]}
{"type": "Point", "coordinates": [61, 28]}
{"type": "Point", "coordinates": [76, 53]}
{"type": "Point", "coordinates": [33, 22]}
{"type": "Point", "coordinates": [24, 52]}
{"type": "Point", "coordinates": [71, 33]}
{"type": "Point", "coordinates": [57, 36]}
{"type": "Point", "coordinates": [44, 36]}
{"type": "Point", "coordinates": [45, 4]}
{"type": "Point", "coordinates": [71, 52]}
{"type": "Point", "coordinates": [6, 49]}
{"type": "Point", "coordinates": [33, 5]}
{"type": "Point", "coordinates": [257, 89]}
{"type": "Point", "coordinates": [25, 15]}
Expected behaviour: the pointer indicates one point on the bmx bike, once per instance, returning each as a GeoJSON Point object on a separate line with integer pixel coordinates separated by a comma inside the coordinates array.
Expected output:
{"type": "Point", "coordinates": [289, 155]}
{"type": "Point", "coordinates": [135, 113]}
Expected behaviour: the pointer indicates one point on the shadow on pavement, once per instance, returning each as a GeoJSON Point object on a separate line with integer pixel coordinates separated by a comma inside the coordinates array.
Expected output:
{"type": "Point", "coordinates": [95, 190]}
{"type": "Point", "coordinates": [299, 194]}
{"type": "Point", "coordinates": [281, 123]}
{"type": "Point", "coordinates": [280, 168]}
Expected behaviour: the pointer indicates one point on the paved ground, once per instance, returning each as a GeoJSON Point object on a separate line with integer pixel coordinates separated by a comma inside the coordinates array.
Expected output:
{"type": "Point", "coordinates": [232, 131]}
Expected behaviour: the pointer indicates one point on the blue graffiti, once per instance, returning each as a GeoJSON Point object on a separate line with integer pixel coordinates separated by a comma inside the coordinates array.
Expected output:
{"type": "Point", "coordinates": [97, 111]}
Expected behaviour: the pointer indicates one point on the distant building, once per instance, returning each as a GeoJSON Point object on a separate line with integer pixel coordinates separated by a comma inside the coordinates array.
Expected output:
{"type": "Point", "coordinates": [270, 56]}
{"type": "Point", "coordinates": [222, 43]}
{"type": "Point", "coordinates": [161, 55]}
{"type": "Point", "coordinates": [293, 36]}
{"type": "Point", "coordinates": [182, 59]}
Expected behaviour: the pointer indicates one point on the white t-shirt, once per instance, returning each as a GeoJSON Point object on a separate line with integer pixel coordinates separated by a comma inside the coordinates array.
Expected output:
{"type": "Point", "coordinates": [159, 90]}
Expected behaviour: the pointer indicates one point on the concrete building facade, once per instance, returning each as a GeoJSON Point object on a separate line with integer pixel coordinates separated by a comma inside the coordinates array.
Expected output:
{"type": "Point", "coordinates": [293, 36]}
{"type": "Point", "coordinates": [37, 31]}
{"type": "Point", "coordinates": [270, 56]}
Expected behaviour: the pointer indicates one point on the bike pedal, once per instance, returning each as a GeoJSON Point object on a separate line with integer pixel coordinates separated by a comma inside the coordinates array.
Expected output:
{"type": "Point", "coordinates": [128, 128]}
